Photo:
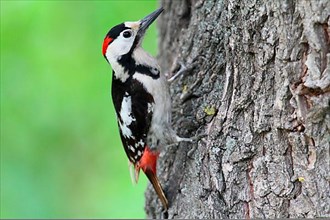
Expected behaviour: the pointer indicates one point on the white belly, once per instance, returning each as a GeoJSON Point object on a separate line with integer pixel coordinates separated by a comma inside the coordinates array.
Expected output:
{"type": "Point", "coordinates": [160, 132]}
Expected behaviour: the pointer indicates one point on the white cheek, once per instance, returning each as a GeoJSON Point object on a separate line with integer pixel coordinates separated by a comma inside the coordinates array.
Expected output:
{"type": "Point", "coordinates": [119, 47]}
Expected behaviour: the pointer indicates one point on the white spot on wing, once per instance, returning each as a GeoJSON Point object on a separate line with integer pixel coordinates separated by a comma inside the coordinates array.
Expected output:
{"type": "Point", "coordinates": [132, 148]}
{"type": "Point", "coordinates": [150, 107]}
{"type": "Point", "coordinates": [140, 143]}
{"type": "Point", "coordinates": [126, 116]}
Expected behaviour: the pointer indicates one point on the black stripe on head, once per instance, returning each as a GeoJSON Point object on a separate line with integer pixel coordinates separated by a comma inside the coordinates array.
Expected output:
{"type": "Point", "coordinates": [116, 30]}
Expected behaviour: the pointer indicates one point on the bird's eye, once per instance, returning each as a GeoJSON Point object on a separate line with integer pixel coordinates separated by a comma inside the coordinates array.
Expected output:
{"type": "Point", "coordinates": [127, 34]}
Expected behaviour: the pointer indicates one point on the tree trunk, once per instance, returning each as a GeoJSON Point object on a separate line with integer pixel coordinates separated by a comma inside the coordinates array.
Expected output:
{"type": "Point", "coordinates": [257, 82]}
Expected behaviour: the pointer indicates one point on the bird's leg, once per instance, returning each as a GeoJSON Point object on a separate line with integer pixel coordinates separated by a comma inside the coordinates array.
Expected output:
{"type": "Point", "coordinates": [174, 73]}
{"type": "Point", "coordinates": [182, 70]}
{"type": "Point", "coordinates": [190, 140]}
{"type": "Point", "coordinates": [177, 140]}
{"type": "Point", "coordinates": [181, 139]}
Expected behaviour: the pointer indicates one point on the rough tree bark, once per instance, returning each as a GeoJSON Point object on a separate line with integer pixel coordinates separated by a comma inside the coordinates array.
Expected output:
{"type": "Point", "coordinates": [258, 84]}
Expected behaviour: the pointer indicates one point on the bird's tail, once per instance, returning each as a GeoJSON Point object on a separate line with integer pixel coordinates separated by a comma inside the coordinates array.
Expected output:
{"type": "Point", "coordinates": [158, 188]}
{"type": "Point", "coordinates": [148, 164]}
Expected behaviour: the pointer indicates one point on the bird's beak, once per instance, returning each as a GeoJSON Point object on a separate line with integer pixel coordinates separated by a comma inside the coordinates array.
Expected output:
{"type": "Point", "coordinates": [147, 21]}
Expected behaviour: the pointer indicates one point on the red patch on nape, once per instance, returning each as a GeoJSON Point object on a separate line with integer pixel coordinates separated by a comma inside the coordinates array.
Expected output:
{"type": "Point", "coordinates": [149, 160]}
{"type": "Point", "coordinates": [106, 42]}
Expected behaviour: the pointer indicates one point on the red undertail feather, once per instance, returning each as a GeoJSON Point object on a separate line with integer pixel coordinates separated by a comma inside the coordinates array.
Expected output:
{"type": "Point", "coordinates": [148, 163]}
{"type": "Point", "coordinates": [149, 160]}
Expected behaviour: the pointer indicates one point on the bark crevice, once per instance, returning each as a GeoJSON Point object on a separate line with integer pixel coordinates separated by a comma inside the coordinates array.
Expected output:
{"type": "Point", "coordinates": [258, 85]}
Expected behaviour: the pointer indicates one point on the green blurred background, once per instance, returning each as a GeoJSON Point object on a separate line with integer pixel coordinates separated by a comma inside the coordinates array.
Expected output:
{"type": "Point", "coordinates": [61, 155]}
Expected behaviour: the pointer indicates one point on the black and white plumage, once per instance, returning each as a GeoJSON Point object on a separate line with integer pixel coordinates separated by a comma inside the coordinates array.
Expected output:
{"type": "Point", "coordinates": [141, 98]}
{"type": "Point", "coordinates": [140, 93]}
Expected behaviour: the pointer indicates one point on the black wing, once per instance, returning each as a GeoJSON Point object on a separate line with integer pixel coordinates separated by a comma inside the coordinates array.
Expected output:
{"type": "Point", "coordinates": [133, 106]}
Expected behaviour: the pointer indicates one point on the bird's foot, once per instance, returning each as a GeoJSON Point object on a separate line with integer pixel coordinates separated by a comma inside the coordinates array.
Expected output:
{"type": "Point", "coordinates": [181, 70]}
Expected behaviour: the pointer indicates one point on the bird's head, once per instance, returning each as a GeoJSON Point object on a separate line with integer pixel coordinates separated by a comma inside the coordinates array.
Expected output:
{"type": "Point", "coordinates": [124, 37]}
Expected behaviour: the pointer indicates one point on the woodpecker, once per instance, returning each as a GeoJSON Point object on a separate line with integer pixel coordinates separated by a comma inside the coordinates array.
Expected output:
{"type": "Point", "coordinates": [141, 98]}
